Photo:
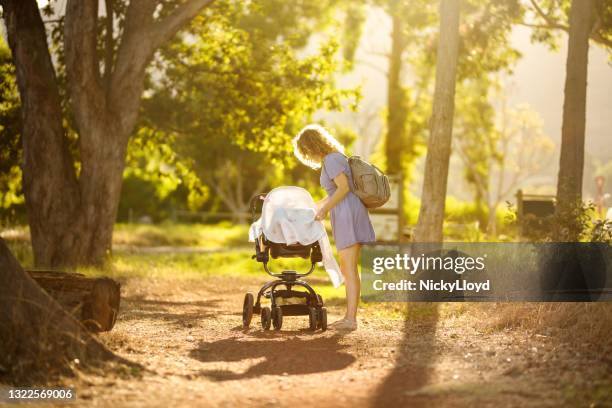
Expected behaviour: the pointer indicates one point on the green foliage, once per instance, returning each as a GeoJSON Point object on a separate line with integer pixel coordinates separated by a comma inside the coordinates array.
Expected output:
{"type": "Point", "coordinates": [484, 41]}
{"type": "Point", "coordinates": [412, 206]}
{"type": "Point", "coordinates": [460, 212]}
{"type": "Point", "coordinates": [355, 17]}
{"type": "Point", "coordinates": [10, 133]}
{"type": "Point", "coordinates": [275, 21]}
{"type": "Point", "coordinates": [476, 137]}
{"type": "Point", "coordinates": [151, 159]}
{"type": "Point", "coordinates": [412, 104]}
{"type": "Point", "coordinates": [550, 18]}
{"type": "Point", "coordinates": [234, 89]}
{"type": "Point", "coordinates": [601, 231]}
{"type": "Point", "coordinates": [603, 24]}
{"type": "Point", "coordinates": [484, 44]}
{"type": "Point", "coordinates": [252, 90]}
{"type": "Point", "coordinates": [578, 223]}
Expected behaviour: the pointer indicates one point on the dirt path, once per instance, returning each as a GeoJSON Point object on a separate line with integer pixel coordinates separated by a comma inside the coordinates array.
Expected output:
{"type": "Point", "coordinates": [187, 334]}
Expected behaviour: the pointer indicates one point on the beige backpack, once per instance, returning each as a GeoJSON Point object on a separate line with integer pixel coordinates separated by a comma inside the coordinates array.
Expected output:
{"type": "Point", "coordinates": [369, 183]}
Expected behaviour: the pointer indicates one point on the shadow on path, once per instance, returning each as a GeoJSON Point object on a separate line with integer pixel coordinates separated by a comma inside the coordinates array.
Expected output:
{"type": "Point", "coordinates": [137, 308]}
{"type": "Point", "coordinates": [282, 356]}
{"type": "Point", "coordinates": [415, 360]}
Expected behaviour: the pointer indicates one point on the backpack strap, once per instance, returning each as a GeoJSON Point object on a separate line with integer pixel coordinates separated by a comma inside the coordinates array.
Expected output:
{"type": "Point", "coordinates": [352, 185]}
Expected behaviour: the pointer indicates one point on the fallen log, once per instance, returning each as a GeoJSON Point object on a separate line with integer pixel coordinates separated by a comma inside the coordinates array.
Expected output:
{"type": "Point", "coordinates": [93, 301]}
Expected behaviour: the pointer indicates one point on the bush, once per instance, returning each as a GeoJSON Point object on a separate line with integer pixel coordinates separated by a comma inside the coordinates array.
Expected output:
{"type": "Point", "coordinates": [576, 224]}
{"type": "Point", "coordinates": [460, 212]}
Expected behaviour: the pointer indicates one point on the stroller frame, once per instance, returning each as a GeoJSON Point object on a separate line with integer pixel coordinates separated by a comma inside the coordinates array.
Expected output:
{"type": "Point", "coordinates": [313, 306]}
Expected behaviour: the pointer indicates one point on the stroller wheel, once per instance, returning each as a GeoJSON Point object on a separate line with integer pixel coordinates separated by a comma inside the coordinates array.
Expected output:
{"type": "Point", "coordinates": [247, 310]}
{"type": "Point", "coordinates": [266, 318]}
{"type": "Point", "coordinates": [323, 319]}
{"type": "Point", "coordinates": [312, 318]}
{"type": "Point", "coordinates": [277, 318]}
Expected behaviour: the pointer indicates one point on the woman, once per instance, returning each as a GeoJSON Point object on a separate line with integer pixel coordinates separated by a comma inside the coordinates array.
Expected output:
{"type": "Point", "coordinates": [351, 225]}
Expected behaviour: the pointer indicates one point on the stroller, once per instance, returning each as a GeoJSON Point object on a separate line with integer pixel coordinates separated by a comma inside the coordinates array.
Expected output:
{"type": "Point", "coordinates": [285, 283]}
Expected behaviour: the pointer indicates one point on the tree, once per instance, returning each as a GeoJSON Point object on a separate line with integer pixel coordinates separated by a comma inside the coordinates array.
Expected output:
{"type": "Point", "coordinates": [396, 96]}
{"type": "Point", "coordinates": [431, 216]}
{"type": "Point", "coordinates": [407, 18]}
{"type": "Point", "coordinates": [71, 212]}
{"type": "Point", "coordinates": [571, 164]}
{"type": "Point", "coordinates": [498, 158]}
{"type": "Point", "coordinates": [38, 337]}
{"type": "Point", "coordinates": [475, 139]}
{"type": "Point", "coordinates": [484, 30]}
{"type": "Point", "coordinates": [485, 52]}
{"type": "Point", "coordinates": [254, 99]}
{"type": "Point", "coordinates": [404, 116]}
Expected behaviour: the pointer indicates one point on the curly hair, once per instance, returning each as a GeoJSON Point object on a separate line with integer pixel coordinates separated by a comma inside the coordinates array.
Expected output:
{"type": "Point", "coordinates": [313, 143]}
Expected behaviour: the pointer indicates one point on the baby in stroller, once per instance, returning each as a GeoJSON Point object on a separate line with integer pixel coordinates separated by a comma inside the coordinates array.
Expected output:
{"type": "Point", "coordinates": [287, 229]}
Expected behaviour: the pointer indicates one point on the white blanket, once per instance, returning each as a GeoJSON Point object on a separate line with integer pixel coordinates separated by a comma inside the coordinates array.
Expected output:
{"type": "Point", "coordinates": [287, 217]}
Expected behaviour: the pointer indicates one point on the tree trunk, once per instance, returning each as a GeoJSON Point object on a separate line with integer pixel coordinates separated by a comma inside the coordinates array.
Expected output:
{"type": "Point", "coordinates": [396, 99]}
{"type": "Point", "coordinates": [481, 213]}
{"type": "Point", "coordinates": [431, 216]}
{"type": "Point", "coordinates": [571, 164]}
{"type": "Point", "coordinates": [103, 160]}
{"type": "Point", "coordinates": [49, 179]}
{"type": "Point", "coordinates": [71, 220]}
{"type": "Point", "coordinates": [37, 337]}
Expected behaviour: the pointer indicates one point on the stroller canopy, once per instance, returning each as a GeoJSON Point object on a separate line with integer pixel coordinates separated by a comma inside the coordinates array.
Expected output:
{"type": "Point", "coordinates": [287, 217]}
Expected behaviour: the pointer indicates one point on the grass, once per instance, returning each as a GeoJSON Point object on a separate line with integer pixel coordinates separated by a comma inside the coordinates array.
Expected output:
{"type": "Point", "coordinates": [223, 264]}
{"type": "Point", "coordinates": [228, 263]}
{"type": "Point", "coordinates": [576, 323]}
{"type": "Point", "coordinates": [223, 252]}
{"type": "Point", "coordinates": [221, 235]}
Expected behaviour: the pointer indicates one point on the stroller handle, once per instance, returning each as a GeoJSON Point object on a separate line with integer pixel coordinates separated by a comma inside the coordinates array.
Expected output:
{"type": "Point", "coordinates": [253, 204]}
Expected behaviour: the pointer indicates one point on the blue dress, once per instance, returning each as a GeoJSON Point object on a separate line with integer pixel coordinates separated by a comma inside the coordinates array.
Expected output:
{"type": "Point", "coordinates": [349, 218]}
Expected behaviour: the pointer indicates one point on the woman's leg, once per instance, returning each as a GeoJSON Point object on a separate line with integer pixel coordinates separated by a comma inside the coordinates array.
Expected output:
{"type": "Point", "coordinates": [349, 257]}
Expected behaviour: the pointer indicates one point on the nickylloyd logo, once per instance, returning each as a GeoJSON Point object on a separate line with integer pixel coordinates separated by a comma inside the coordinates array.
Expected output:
{"type": "Point", "coordinates": [454, 286]}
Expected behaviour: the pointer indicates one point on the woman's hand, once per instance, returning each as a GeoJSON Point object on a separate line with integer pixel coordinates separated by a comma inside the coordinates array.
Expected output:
{"type": "Point", "coordinates": [320, 204]}
{"type": "Point", "coordinates": [342, 189]}
{"type": "Point", "coordinates": [321, 214]}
